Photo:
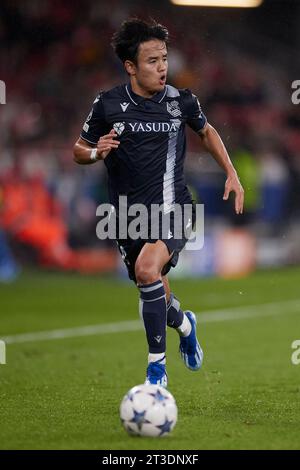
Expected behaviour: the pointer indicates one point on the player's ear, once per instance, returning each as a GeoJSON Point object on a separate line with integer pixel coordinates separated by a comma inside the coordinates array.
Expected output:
{"type": "Point", "coordinates": [130, 67]}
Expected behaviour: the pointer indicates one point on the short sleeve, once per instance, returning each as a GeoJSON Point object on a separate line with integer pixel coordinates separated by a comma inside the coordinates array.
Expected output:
{"type": "Point", "coordinates": [95, 124]}
{"type": "Point", "coordinates": [195, 117]}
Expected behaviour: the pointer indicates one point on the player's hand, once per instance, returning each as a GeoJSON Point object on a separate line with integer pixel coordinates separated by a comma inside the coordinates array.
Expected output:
{"type": "Point", "coordinates": [233, 184]}
{"type": "Point", "coordinates": [106, 143]}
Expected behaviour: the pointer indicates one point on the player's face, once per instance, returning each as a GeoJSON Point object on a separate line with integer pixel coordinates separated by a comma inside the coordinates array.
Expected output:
{"type": "Point", "coordinates": [152, 66]}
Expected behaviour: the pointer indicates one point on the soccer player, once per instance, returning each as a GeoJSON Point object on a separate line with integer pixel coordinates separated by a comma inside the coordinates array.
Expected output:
{"type": "Point", "coordinates": [138, 130]}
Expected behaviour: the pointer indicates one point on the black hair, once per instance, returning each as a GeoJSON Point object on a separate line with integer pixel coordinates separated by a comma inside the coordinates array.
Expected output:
{"type": "Point", "coordinates": [132, 33]}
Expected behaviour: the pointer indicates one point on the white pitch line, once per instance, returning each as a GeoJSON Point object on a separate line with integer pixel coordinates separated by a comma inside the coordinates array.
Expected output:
{"type": "Point", "coordinates": [250, 311]}
{"type": "Point", "coordinates": [219, 315]}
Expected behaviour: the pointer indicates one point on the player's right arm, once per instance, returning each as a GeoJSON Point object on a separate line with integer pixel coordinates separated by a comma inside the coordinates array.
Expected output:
{"type": "Point", "coordinates": [96, 139]}
{"type": "Point", "coordinates": [86, 153]}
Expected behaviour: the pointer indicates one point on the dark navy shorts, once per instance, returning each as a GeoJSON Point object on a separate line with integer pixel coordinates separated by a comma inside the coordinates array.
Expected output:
{"type": "Point", "coordinates": [130, 249]}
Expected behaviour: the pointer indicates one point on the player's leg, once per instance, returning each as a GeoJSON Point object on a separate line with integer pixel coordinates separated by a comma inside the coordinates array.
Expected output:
{"type": "Point", "coordinates": [185, 325]}
{"type": "Point", "coordinates": [166, 284]}
{"type": "Point", "coordinates": [153, 308]}
{"type": "Point", "coordinates": [175, 315]}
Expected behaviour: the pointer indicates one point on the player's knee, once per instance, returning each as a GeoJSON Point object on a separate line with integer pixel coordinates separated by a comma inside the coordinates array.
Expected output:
{"type": "Point", "coordinates": [146, 272]}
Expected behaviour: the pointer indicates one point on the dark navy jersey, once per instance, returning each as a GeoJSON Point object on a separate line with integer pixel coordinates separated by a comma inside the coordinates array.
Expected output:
{"type": "Point", "coordinates": [148, 165]}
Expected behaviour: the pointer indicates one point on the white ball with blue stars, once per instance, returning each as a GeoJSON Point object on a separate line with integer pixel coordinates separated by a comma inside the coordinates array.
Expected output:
{"type": "Point", "coordinates": [148, 410]}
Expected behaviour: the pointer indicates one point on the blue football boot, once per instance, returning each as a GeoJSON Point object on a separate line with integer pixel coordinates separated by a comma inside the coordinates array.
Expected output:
{"type": "Point", "coordinates": [156, 374]}
{"type": "Point", "coordinates": [189, 348]}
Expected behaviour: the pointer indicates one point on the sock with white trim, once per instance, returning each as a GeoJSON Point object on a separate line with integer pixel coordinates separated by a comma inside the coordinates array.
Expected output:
{"type": "Point", "coordinates": [153, 310]}
{"type": "Point", "coordinates": [176, 317]}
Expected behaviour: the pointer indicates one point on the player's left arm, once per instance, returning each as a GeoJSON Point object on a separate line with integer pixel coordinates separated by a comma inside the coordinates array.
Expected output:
{"type": "Point", "coordinates": [213, 143]}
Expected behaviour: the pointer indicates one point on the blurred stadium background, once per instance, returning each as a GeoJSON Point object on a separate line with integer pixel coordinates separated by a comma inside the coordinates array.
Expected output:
{"type": "Point", "coordinates": [74, 342]}
{"type": "Point", "coordinates": [56, 56]}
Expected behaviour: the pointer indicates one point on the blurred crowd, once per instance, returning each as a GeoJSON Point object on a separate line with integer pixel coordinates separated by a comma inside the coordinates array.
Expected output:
{"type": "Point", "coordinates": [56, 56]}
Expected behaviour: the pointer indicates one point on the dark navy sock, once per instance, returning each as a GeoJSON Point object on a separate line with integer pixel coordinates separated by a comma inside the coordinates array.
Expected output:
{"type": "Point", "coordinates": [153, 310]}
{"type": "Point", "coordinates": [174, 313]}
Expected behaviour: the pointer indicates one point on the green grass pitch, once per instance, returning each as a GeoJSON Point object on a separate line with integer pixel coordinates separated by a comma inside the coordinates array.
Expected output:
{"type": "Point", "coordinates": [65, 393]}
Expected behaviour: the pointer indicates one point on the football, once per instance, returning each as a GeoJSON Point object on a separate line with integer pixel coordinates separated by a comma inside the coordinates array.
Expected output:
{"type": "Point", "coordinates": [148, 410]}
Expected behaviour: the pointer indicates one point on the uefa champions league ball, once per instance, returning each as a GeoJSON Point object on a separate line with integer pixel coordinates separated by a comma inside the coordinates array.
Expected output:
{"type": "Point", "coordinates": [148, 410]}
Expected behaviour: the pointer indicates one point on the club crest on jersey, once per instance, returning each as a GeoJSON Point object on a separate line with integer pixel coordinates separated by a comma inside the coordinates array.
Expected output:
{"type": "Point", "coordinates": [173, 108]}
{"type": "Point", "coordinates": [119, 127]}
